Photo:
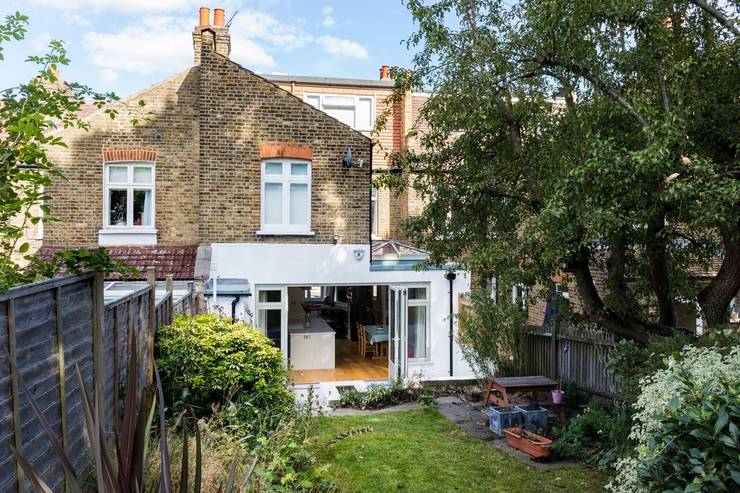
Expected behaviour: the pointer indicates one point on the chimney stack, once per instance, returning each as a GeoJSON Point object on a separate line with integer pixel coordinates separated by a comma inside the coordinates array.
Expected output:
{"type": "Point", "coordinates": [213, 37]}
{"type": "Point", "coordinates": [384, 70]}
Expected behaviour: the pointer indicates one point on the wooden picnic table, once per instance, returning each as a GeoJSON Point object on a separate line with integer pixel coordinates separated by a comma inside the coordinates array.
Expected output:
{"type": "Point", "coordinates": [499, 390]}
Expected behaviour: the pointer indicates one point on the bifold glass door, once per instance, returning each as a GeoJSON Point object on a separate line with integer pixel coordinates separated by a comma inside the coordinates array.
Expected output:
{"type": "Point", "coordinates": [397, 332]}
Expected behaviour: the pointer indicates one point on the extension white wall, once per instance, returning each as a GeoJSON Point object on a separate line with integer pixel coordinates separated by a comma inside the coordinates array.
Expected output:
{"type": "Point", "coordinates": [311, 265]}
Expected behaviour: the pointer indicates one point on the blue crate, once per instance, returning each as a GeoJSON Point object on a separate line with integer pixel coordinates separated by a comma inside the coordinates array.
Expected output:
{"type": "Point", "coordinates": [503, 417]}
{"type": "Point", "coordinates": [535, 417]}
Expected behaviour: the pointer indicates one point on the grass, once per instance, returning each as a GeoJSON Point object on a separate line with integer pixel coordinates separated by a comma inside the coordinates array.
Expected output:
{"type": "Point", "coordinates": [420, 451]}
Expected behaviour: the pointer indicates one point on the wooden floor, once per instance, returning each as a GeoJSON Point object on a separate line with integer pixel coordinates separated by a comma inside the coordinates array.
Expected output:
{"type": "Point", "coordinates": [349, 365]}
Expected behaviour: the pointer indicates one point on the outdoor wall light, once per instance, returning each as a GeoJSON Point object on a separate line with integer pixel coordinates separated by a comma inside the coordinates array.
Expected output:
{"type": "Point", "coordinates": [335, 239]}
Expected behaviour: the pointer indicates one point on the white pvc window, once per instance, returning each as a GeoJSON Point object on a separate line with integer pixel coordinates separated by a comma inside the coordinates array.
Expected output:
{"type": "Point", "coordinates": [286, 196]}
{"type": "Point", "coordinates": [128, 200]}
{"type": "Point", "coordinates": [356, 111]}
{"type": "Point", "coordinates": [418, 323]}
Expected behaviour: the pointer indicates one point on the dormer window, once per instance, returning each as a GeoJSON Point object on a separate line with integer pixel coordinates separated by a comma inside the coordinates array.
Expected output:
{"type": "Point", "coordinates": [286, 197]}
{"type": "Point", "coordinates": [356, 111]}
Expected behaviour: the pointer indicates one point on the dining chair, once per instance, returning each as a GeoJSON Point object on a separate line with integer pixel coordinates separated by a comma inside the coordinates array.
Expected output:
{"type": "Point", "coordinates": [361, 339]}
{"type": "Point", "coordinates": [368, 348]}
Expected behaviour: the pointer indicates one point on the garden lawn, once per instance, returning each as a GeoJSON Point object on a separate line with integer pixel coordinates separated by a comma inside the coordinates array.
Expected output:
{"type": "Point", "coordinates": [420, 451]}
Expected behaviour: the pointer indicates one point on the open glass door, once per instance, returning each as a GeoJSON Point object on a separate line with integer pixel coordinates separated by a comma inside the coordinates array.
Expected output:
{"type": "Point", "coordinates": [397, 307]}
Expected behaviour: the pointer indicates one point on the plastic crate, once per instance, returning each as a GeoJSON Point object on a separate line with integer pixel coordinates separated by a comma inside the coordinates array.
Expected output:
{"type": "Point", "coordinates": [534, 416]}
{"type": "Point", "coordinates": [503, 417]}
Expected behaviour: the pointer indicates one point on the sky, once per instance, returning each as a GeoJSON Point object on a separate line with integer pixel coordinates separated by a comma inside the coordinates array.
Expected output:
{"type": "Point", "coordinates": [127, 45]}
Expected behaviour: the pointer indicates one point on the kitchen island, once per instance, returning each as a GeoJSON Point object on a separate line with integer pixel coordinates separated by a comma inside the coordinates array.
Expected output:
{"type": "Point", "coordinates": [312, 347]}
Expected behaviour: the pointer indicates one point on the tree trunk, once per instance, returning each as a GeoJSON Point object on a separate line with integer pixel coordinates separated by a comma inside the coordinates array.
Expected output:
{"type": "Point", "coordinates": [660, 283]}
{"type": "Point", "coordinates": [715, 298]}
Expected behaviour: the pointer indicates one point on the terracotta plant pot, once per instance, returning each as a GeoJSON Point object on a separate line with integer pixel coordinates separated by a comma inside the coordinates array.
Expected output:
{"type": "Point", "coordinates": [530, 443]}
{"type": "Point", "coordinates": [557, 396]}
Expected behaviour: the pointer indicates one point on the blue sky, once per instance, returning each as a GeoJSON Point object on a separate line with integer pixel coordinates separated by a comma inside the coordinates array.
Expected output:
{"type": "Point", "coordinates": [126, 45]}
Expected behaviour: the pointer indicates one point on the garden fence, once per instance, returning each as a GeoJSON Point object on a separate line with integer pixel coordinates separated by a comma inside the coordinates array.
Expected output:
{"type": "Point", "coordinates": [49, 328]}
{"type": "Point", "coordinates": [576, 355]}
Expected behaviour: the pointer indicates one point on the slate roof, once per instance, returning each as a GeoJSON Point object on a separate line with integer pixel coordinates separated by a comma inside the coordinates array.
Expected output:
{"type": "Point", "coordinates": [179, 261]}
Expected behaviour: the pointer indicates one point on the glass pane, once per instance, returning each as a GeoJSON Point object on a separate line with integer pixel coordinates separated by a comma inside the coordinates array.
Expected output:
{"type": "Point", "coordinates": [344, 115]}
{"type": "Point", "coordinates": [273, 168]}
{"type": "Point", "coordinates": [313, 101]}
{"type": "Point", "coordinates": [298, 203]}
{"type": "Point", "coordinates": [142, 175]}
{"type": "Point", "coordinates": [392, 326]}
{"type": "Point", "coordinates": [299, 169]}
{"type": "Point", "coordinates": [364, 114]}
{"type": "Point", "coordinates": [270, 296]}
{"type": "Point", "coordinates": [273, 206]}
{"type": "Point", "coordinates": [417, 332]}
{"type": "Point", "coordinates": [339, 101]}
{"type": "Point", "coordinates": [417, 293]}
{"type": "Point", "coordinates": [142, 207]}
{"type": "Point", "coordinates": [117, 203]}
{"type": "Point", "coordinates": [117, 174]}
{"type": "Point", "coordinates": [270, 322]}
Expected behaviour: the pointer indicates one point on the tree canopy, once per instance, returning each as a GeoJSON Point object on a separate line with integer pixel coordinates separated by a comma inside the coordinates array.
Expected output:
{"type": "Point", "coordinates": [569, 136]}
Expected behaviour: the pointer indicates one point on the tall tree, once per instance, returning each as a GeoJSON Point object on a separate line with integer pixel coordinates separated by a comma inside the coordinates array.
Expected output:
{"type": "Point", "coordinates": [577, 136]}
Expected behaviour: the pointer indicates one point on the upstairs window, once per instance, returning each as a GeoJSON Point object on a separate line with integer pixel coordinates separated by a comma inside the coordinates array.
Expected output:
{"type": "Point", "coordinates": [356, 111]}
{"type": "Point", "coordinates": [129, 195]}
{"type": "Point", "coordinates": [286, 196]}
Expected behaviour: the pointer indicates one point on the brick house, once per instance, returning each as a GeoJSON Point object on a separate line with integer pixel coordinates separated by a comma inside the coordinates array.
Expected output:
{"type": "Point", "coordinates": [260, 186]}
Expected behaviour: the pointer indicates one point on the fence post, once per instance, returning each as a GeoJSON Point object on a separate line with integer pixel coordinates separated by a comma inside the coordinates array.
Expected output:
{"type": "Point", "coordinates": [554, 353]}
{"type": "Point", "coordinates": [191, 297]}
{"type": "Point", "coordinates": [151, 279]}
{"type": "Point", "coordinates": [18, 438]}
{"type": "Point", "coordinates": [170, 304]}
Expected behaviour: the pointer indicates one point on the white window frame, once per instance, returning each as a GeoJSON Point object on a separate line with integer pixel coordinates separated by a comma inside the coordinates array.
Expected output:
{"type": "Point", "coordinates": [427, 327]}
{"type": "Point", "coordinates": [281, 305]}
{"type": "Point", "coordinates": [286, 179]}
{"type": "Point", "coordinates": [356, 100]}
{"type": "Point", "coordinates": [374, 223]}
{"type": "Point", "coordinates": [522, 301]}
{"type": "Point", "coordinates": [129, 186]}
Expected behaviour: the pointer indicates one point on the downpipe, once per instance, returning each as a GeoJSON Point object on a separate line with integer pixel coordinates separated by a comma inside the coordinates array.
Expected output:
{"type": "Point", "coordinates": [450, 276]}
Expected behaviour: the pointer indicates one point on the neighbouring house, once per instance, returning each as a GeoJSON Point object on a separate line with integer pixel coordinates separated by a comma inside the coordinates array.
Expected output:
{"type": "Point", "coordinates": [260, 187]}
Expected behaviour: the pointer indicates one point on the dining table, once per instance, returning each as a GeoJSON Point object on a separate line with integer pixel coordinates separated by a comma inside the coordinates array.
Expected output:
{"type": "Point", "coordinates": [378, 334]}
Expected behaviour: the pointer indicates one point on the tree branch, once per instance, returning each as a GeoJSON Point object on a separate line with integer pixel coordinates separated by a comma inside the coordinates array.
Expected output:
{"type": "Point", "coordinates": [718, 15]}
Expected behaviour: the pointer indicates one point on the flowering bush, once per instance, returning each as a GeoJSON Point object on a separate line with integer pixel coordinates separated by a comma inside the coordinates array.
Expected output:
{"type": "Point", "coordinates": [700, 375]}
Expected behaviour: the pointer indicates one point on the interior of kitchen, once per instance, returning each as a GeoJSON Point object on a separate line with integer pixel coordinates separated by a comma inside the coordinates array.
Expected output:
{"type": "Point", "coordinates": [337, 333]}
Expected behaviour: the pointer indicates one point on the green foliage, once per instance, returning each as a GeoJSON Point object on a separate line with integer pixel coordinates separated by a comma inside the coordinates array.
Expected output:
{"type": "Point", "coordinates": [631, 169]}
{"type": "Point", "coordinates": [599, 436]}
{"type": "Point", "coordinates": [206, 360]}
{"type": "Point", "coordinates": [631, 362]}
{"type": "Point", "coordinates": [697, 445]}
{"type": "Point", "coordinates": [491, 341]}
{"type": "Point", "coordinates": [382, 395]}
{"type": "Point", "coordinates": [30, 113]}
{"type": "Point", "coordinates": [688, 394]}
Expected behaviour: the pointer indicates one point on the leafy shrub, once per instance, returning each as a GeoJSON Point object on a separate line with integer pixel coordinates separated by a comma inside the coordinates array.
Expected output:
{"type": "Point", "coordinates": [492, 340]}
{"type": "Point", "coordinates": [380, 395]}
{"type": "Point", "coordinates": [698, 375]}
{"type": "Point", "coordinates": [597, 436]}
{"type": "Point", "coordinates": [697, 447]}
{"type": "Point", "coordinates": [632, 362]}
{"type": "Point", "coordinates": [279, 438]}
{"type": "Point", "coordinates": [207, 360]}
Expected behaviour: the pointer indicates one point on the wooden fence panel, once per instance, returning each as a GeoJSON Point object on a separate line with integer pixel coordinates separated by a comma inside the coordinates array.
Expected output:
{"type": "Point", "coordinates": [581, 357]}
{"type": "Point", "coordinates": [46, 330]}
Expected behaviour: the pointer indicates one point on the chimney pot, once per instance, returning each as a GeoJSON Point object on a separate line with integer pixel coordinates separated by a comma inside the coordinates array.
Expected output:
{"type": "Point", "coordinates": [384, 72]}
{"type": "Point", "coordinates": [205, 16]}
{"type": "Point", "coordinates": [218, 17]}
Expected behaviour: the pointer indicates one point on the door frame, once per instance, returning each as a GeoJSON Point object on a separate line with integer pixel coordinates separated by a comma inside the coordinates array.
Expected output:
{"type": "Point", "coordinates": [397, 331]}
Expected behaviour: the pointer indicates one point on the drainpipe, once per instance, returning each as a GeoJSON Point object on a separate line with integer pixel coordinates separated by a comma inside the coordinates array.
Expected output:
{"type": "Point", "coordinates": [233, 308]}
{"type": "Point", "coordinates": [450, 276]}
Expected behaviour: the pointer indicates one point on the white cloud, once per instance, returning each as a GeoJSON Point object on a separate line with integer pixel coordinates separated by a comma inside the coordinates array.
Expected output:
{"type": "Point", "coordinates": [126, 6]}
{"type": "Point", "coordinates": [263, 27]}
{"type": "Point", "coordinates": [342, 47]}
{"type": "Point", "coordinates": [328, 17]}
{"type": "Point", "coordinates": [40, 43]}
{"type": "Point", "coordinates": [108, 76]}
{"type": "Point", "coordinates": [75, 19]}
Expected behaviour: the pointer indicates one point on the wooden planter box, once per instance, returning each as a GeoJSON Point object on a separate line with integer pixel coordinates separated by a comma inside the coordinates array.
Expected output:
{"type": "Point", "coordinates": [530, 443]}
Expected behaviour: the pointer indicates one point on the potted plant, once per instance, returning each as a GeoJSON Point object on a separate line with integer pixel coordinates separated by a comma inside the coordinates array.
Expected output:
{"type": "Point", "coordinates": [532, 444]}
{"type": "Point", "coordinates": [558, 394]}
